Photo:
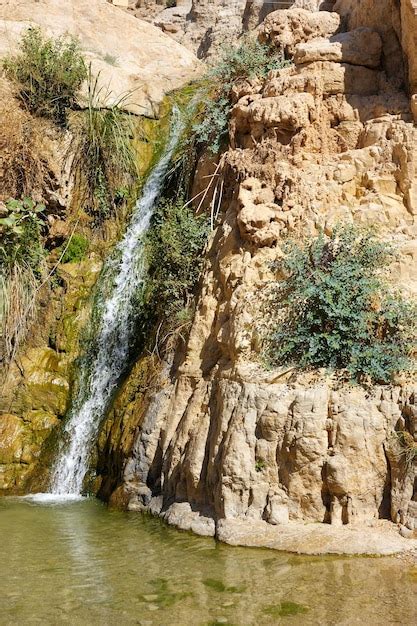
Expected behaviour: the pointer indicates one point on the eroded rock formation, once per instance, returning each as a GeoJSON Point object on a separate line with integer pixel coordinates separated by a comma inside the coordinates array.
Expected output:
{"type": "Point", "coordinates": [330, 138]}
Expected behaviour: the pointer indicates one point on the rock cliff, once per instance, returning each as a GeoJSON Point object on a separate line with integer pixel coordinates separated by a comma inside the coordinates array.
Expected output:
{"type": "Point", "coordinates": [224, 447]}
{"type": "Point", "coordinates": [213, 442]}
{"type": "Point", "coordinates": [131, 56]}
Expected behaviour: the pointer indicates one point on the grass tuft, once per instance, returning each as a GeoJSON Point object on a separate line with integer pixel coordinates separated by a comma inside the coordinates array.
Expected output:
{"type": "Point", "coordinates": [103, 159]}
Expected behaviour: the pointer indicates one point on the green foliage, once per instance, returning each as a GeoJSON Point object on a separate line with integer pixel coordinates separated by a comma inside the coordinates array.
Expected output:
{"type": "Point", "coordinates": [104, 159]}
{"type": "Point", "coordinates": [49, 73]}
{"type": "Point", "coordinates": [249, 60]}
{"type": "Point", "coordinates": [20, 231]}
{"type": "Point", "coordinates": [175, 245]}
{"type": "Point", "coordinates": [334, 308]}
{"type": "Point", "coordinates": [76, 249]}
{"type": "Point", "coordinates": [260, 465]}
{"type": "Point", "coordinates": [21, 269]}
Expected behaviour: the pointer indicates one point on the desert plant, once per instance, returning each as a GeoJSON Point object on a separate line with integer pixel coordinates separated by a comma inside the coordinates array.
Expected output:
{"type": "Point", "coordinates": [20, 234]}
{"type": "Point", "coordinates": [407, 451]}
{"type": "Point", "coordinates": [248, 60]}
{"type": "Point", "coordinates": [174, 250]}
{"type": "Point", "coordinates": [334, 308]}
{"type": "Point", "coordinates": [75, 249]}
{"type": "Point", "coordinates": [49, 73]}
{"type": "Point", "coordinates": [21, 269]}
{"type": "Point", "coordinates": [103, 159]}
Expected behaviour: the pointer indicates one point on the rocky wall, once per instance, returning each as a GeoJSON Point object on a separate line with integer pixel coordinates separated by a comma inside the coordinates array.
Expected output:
{"type": "Point", "coordinates": [328, 139]}
{"type": "Point", "coordinates": [35, 390]}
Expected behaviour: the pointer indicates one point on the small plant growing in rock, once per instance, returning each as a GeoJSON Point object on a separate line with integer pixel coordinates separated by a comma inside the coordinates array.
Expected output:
{"type": "Point", "coordinates": [76, 249]}
{"type": "Point", "coordinates": [250, 59]}
{"type": "Point", "coordinates": [260, 465]}
{"type": "Point", "coordinates": [334, 308]}
{"type": "Point", "coordinates": [49, 73]}
{"type": "Point", "coordinates": [407, 448]}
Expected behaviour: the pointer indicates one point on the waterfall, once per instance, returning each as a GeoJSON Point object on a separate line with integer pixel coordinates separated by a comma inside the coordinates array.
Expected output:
{"type": "Point", "coordinates": [114, 323]}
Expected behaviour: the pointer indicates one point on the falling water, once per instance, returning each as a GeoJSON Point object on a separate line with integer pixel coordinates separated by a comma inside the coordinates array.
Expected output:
{"type": "Point", "coordinates": [114, 320]}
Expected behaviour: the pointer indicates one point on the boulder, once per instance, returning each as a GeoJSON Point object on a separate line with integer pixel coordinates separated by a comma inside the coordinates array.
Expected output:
{"type": "Point", "coordinates": [362, 46]}
{"type": "Point", "coordinates": [131, 56]}
{"type": "Point", "coordinates": [285, 29]}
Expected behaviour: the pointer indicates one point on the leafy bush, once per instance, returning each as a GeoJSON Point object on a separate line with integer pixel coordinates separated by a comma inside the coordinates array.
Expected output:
{"type": "Point", "coordinates": [334, 308]}
{"type": "Point", "coordinates": [76, 249]}
{"type": "Point", "coordinates": [21, 269]}
{"type": "Point", "coordinates": [49, 73]}
{"type": "Point", "coordinates": [104, 159]}
{"type": "Point", "coordinates": [174, 250]}
{"type": "Point", "coordinates": [249, 60]}
{"type": "Point", "coordinates": [20, 235]}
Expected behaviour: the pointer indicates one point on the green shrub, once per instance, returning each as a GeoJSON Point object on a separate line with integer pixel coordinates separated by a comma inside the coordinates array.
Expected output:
{"type": "Point", "coordinates": [49, 73]}
{"type": "Point", "coordinates": [22, 264]}
{"type": "Point", "coordinates": [249, 60]}
{"type": "Point", "coordinates": [76, 249]}
{"type": "Point", "coordinates": [20, 232]}
{"type": "Point", "coordinates": [104, 160]}
{"type": "Point", "coordinates": [174, 249]}
{"type": "Point", "coordinates": [334, 308]}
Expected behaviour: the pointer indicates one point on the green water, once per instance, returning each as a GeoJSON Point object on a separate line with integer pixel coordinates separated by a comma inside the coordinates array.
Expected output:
{"type": "Point", "coordinates": [79, 563]}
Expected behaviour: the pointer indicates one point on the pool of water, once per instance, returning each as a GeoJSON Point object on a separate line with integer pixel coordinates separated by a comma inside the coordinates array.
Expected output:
{"type": "Point", "coordinates": [79, 563]}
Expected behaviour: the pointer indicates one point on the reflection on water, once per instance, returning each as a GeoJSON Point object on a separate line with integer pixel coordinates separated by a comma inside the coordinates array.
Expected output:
{"type": "Point", "coordinates": [78, 563]}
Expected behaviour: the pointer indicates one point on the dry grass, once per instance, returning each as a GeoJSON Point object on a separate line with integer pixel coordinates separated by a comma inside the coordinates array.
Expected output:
{"type": "Point", "coordinates": [102, 154]}
{"type": "Point", "coordinates": [23, 172]}
{"type": "Point", "coordinates": [18, 290]}
{"type": "Point", "coordinates": [23, 168]}
{"type": "Point", "coordinates": [408, 448]}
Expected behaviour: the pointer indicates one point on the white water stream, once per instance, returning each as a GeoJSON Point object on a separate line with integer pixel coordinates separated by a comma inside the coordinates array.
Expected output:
{"type": "Point", "coordinates": [114, 320]}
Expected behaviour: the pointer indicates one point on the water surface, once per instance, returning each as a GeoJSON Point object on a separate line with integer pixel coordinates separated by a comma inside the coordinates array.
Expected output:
{"type": "Point", "coordinates": [79, 563]}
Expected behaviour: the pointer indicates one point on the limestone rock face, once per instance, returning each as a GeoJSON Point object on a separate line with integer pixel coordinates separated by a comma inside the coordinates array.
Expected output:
{"type": "Point", "coordinates": [286, 29]}
{"type": "Point", "coordinates": [131, 55]}
{"type": "Point", "coordinates": [205, 25]}
{"type": "Point", "coordinates": [362, 46]}
{"type": "Point", "coordinates": [409, 39]}
{"type": "Point", "coordinates": [385, 17]}
{"type": "Point", "coordinates": [34, 392]}
{"type": "Point", "coordinates": [272, 455]}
